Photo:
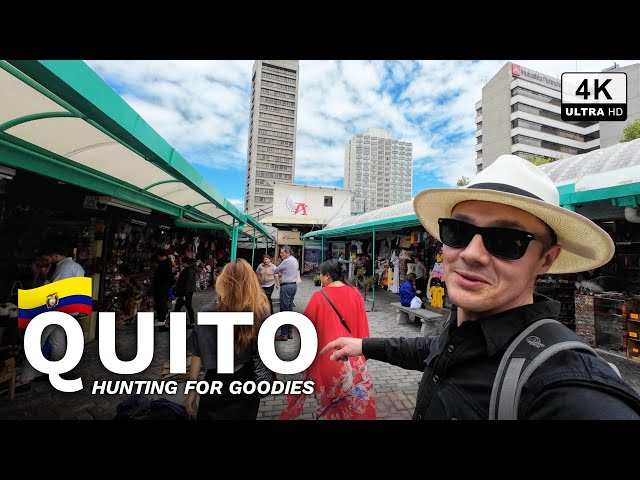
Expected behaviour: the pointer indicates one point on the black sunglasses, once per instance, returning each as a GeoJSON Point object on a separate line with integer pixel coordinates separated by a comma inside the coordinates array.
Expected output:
{"type": "Point", "coordinates": [506, 243]}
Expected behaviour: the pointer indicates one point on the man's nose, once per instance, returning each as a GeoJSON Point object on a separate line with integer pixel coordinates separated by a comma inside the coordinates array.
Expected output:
{"type": "Point", "coordinates": [475, 252]}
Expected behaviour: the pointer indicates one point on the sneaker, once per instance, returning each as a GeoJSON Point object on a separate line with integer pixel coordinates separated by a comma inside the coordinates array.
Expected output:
{"type": "Point", "coordinates": [281, 338]}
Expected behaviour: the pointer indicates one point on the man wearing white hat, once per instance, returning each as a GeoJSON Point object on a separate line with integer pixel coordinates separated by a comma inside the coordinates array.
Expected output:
{"type": "Point", "coordinates": [499, 233]}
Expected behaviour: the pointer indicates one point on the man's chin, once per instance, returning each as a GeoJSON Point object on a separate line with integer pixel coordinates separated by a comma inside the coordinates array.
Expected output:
{"type": "Point", "coordinates": [470, 301]}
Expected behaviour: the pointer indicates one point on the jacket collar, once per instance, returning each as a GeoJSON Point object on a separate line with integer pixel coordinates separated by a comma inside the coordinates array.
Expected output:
{"type": "Point", "coordinates": [498, 330]}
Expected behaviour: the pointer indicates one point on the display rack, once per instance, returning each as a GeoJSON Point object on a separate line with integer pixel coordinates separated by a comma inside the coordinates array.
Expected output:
{"type": "Point", "coordinates": [561, 289]}
{"type": "Point", "coordinates": [610, 324]}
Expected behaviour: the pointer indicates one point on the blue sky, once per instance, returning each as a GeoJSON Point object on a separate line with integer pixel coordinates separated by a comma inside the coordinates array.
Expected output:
{"type": "Point", "coordinates": [202, 109]}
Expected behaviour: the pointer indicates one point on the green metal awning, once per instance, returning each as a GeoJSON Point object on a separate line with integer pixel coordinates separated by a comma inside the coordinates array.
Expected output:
{"type": "Point", "coordinates": [61, 120]}
{"type": "Point", "coordinates": [385, 219]}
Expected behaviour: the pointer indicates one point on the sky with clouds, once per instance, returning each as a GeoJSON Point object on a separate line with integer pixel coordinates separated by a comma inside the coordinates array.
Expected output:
{"type": "Point", "coordinates": [201, 107]}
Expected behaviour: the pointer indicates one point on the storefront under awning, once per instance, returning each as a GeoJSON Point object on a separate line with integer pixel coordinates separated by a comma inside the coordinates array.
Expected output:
{"type": "Point", "coordinates": [60, 120]}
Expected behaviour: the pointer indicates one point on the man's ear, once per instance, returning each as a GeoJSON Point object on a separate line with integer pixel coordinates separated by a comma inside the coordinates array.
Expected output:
{"type": "Point", "coordinates": [549, 258]}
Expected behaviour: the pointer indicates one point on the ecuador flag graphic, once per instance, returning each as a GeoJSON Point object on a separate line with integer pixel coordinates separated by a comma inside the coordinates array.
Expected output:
{"type": "Point", "coordinates": [70, 295]}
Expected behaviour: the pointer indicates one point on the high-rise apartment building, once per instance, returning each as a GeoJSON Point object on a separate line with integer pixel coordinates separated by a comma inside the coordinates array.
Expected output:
{"type": "Point", "coordinates": [271, 154]}
{"type": "Point", "coordinates": [378, 170]}
{"type": "Point", "coordinates": [520, 114]}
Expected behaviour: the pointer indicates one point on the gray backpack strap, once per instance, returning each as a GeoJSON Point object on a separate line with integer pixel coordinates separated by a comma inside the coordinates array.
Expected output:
{"type": "Point", "coordinates": [525, 354]}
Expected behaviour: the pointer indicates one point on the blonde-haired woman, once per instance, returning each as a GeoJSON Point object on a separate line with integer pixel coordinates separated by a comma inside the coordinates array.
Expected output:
{"type": "Point", "coordinates": [238, 290]}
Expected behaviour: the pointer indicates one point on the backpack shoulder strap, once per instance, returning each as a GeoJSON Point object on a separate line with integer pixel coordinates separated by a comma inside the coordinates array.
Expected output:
{"type": "Point", "coordinates": [523, 356]}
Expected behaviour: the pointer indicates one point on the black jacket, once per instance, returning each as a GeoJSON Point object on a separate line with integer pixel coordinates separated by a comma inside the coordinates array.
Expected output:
{"type": "Point", "coordinates": [460, 365]}
{"type": "Point", "coordinates": [162, 279]}
{"type": "Point", "coordinates": [186, 281]}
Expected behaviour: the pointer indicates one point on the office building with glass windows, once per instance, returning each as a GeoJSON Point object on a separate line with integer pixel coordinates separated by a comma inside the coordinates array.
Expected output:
{"type": "Point", "coordinates": [378, 170]}
{"type": "Point", "coordinates": [271, 153]}
{"type": "Point", "coordinates": [520, 114]}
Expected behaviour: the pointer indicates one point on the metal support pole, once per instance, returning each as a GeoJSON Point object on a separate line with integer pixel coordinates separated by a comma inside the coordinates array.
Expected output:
{"type": "Point", "coordinates": [253, 250]}
{"type": "Point", "coordinates": [322, 254]}
{"type": "Point", "coordinates": [234, 240]}
{"type": "Point", "coordinates": [373, 263]}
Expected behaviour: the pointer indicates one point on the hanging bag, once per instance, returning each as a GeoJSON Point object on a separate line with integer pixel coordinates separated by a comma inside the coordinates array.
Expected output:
{"type": "Point", "coordinates": [342, 320]}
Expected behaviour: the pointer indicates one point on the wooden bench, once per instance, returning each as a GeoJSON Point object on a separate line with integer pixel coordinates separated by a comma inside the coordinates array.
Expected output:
{"type": "Point", "coordinates": [431, 322]}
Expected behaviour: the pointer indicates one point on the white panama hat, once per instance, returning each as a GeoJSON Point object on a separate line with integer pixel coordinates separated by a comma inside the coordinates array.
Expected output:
{"type": "Point", "coordinates": [512, 180]}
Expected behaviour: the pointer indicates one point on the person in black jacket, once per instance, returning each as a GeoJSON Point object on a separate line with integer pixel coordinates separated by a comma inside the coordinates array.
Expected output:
{"type": "Point", "coordinates": [185, 287]}
{"type": "Point", "coordinates": [162, 280]}
{"type": "Point", "coordinates": [499, 233]}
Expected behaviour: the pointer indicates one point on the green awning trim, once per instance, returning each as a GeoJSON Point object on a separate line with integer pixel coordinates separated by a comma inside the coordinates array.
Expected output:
{"type": "Point", "coordinates": [386, 225]}
{"type": "Point", "coordinates": [178, 222]}
{"type": "Point", "coordinates": [36, 116]}
{"type": "Point", "coordinates": [149, 187]}
{"type": "Point", "coordinates": [77, 88]}
{"type": "Point", "coordinates": [78, 85]}
{"type": "Point", "coordinates": [609, 193]}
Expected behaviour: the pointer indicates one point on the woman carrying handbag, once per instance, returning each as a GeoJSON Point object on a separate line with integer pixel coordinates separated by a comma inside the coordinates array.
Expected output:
{"type": "Point", "coordinates": [343, 390]}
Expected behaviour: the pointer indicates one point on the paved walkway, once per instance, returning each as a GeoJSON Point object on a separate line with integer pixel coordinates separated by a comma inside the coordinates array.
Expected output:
{"type": "Point", "coordinates": [396, 388]}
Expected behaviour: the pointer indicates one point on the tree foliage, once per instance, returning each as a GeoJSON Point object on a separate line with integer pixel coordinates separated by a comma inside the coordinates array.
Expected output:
{"type": "Point", "coordinates": [631, 132]}
{"type": "Point", "coordinates": [462, 181]}
{"type": "Point", "coordinates": [540, 159]}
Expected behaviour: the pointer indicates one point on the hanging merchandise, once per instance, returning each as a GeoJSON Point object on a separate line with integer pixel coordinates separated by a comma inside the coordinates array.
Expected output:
{"type": "Point", "coordinates": [405, 241]}
{"type": "Point", "coordinates": [436, 281]}
{"type": "Point", "coordinates": [411, 268]}
{"type": "Point", "coordinates": [405, 255]}
{"type": "Point", "coordinates": [436, 292]}
{"type": "Point", "coordinates": [383, 250]}
{"type": "Point", "coordinates": [196, 244]}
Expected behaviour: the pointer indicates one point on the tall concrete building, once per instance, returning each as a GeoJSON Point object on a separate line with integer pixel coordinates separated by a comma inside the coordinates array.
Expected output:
{"type": "Point", "coordinates": [271, 154]}
{"type": "Point", "coordinates": [610, 132]}
{"type": "Point", "coordinates": [520, 114]}
{"type": "Point", "coordinates": [378, 170]}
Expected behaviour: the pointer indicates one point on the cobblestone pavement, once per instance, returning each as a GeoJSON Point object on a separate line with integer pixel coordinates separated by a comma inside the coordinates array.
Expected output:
{"type": "Point", "coordinates": [396, 388]}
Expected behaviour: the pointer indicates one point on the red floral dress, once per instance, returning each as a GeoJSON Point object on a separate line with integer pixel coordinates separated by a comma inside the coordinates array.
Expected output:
{"type": "Point", "coordinates": [343, 390]}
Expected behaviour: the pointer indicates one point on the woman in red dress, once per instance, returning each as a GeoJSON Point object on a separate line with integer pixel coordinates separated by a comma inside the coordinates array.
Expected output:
{"type": "Point", "coordinates": [343, 390]}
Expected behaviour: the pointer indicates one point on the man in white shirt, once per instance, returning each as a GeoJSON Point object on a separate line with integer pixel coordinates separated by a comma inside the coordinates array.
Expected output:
{"type": "Point", "coordinates": [53, 336]}
{"type": "Point", "coordinates": [288, 272]}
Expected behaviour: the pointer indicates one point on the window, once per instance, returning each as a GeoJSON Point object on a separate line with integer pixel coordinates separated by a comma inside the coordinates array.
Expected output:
{"type": "Point", "coordinates": [328, 201]}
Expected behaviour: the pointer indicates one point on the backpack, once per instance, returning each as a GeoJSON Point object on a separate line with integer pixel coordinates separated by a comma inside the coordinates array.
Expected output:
{"type": "Point", "coordinates": [523, 356]}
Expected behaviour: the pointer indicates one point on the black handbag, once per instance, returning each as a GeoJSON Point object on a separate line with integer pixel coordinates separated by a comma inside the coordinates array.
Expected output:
{"type": "Point", "coordinates": [261, 372]}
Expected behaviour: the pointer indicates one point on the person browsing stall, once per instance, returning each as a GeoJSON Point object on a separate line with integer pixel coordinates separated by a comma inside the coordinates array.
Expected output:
{"type": "Point", "coordinates": [288, 271]}
{"type": "Point", "coordinates": [407, 293]}
{"type": "Point", "coordinates": [268, 281]}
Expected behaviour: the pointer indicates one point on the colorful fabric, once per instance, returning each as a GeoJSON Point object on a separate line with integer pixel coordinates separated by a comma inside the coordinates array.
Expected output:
{"type": "Point", "coordinates": [71, 295]}
{"type": "Point", "coordinates": [436, 294]}
{"type": "Point", "coordinates": [343, 390]}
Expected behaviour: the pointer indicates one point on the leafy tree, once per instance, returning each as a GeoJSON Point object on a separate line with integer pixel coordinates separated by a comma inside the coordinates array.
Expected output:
{"type": "Point", "coordinates": [631, 132]}
{"type": "Point", "coordinates": [462, 181]}
{"type": "Point", "coordinates": [540, 159]}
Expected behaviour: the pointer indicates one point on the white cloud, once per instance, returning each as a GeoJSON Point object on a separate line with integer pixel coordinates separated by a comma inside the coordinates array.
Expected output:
{"type": "Point", "coordinates": [203, 107]}
{"type": "Point", "coordinates": [237, 202]}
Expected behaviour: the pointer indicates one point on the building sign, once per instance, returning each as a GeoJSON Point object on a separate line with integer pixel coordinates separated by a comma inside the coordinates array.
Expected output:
{"type": "Point", "coordinates": [286, 237]}
{"type": "Point", "coordinates": [535, 77]}
{"type": "Point", "coordinates": [296, 204]}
